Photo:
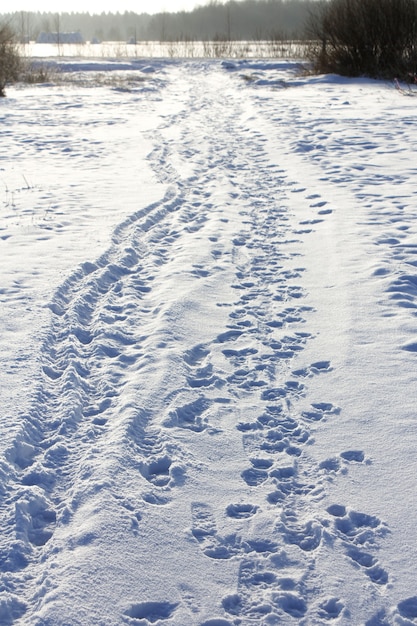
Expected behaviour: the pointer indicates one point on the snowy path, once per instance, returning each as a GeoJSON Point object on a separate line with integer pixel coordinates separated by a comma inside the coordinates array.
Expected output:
{"type": "Point", "coordinates": [192, 452]}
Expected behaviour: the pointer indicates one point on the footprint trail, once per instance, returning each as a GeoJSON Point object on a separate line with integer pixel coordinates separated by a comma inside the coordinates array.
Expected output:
{"type": "Point", "coordinates": [172, 429]}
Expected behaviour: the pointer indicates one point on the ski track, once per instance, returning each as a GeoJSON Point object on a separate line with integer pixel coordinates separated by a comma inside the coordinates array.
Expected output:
{"type": "Point", "coordinates": [116, 383]}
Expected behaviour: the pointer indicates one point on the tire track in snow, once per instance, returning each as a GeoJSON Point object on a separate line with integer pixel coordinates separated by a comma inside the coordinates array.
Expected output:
{"type": "Point", "coordinates": [90, 335]}
{"type": "Point", "coordinates": [92, 342]}
{"type": "Point", "coordinates": [116, 386]}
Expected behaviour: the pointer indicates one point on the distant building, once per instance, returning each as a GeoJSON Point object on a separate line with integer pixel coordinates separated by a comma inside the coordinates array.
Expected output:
{"type": "Point", "coordinates": [59, 38]}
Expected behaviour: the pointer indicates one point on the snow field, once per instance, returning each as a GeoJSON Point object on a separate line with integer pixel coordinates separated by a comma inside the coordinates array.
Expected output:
{"type": "Point", "coordinates": [208, 313]}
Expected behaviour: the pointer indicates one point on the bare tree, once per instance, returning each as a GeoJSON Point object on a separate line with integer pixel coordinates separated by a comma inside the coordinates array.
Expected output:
{"type": "Point", "coordinates": [57, 22]}
{"type": "Point", "coordinates": [376, 38]}
{"type": "Point", "coordinates": [24, 26]}
{"type": "Point", "coordinates": [10, 60]}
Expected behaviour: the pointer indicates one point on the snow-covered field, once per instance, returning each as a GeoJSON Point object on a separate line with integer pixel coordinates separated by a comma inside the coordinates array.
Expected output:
{"type": "Point", "coordinates": [208, 348]}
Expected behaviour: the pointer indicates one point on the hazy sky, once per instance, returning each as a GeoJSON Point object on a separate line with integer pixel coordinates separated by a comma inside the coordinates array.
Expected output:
{"type": "Point", "coordinates": [97, 6]}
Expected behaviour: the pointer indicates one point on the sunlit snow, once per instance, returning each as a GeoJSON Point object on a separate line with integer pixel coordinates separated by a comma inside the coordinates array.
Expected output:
{"type": "Point", "coordinates": [208, 333]}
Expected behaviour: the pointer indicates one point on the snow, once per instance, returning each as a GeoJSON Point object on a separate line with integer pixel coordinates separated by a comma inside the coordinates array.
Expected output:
{"type": "Point", "coordinates": [208, 329]}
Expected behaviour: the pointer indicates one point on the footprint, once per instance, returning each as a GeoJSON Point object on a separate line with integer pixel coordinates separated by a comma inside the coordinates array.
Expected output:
{"type": "Point", "coordinates": [151, 611]}
{"type": "Point", "coordinates": [276, 442]}
{"type": "Point", "coordinates": [189, 596]}
{"type": "Point", "coordinates": [189, 416]}
{"type": "Point", "coordinates": [321, 366]}
{"type": "Point", "coordinates": [357, 527]}
{"type": "Point", "coordinates": [331, 464]}
{"type": "Point", "coordinates": [272, 395]}
{"type": "Point", "coordinates": [353, 455]}
{"type": "Point", "coordinates": [239, 354]}
{"type": "Point", "coordinates": [370, 564]}
{"type": "Point", "coordinates": [337, 510]}
{"type": "Point", "coordinates": [252, 575]}
{"type": "Point", "coordinates": [52, 373]}
{"type": "Point", "coordinates": [292, 604]}
{"type": "Point", "coordinates": [157, 470]}
{"type": "Point", "coordinates": [230, 335]}
{"type": "Point", "coordinates": [196, 355]}
{"type": "Point", "coordinates": [318, 367]}
{"type": "Point", "coordinates": [359, 532]}
{"type": "Point", "coordinates": [316, 205]}
{"type": "Point", "coordinates": [200, 272]}
{"type": "Point", "coordinates": [35, 518]}
{"type": "Point", "coordinates": [312, 222]}
{"type": "Point", "coordinates": [306, 536]}
{"type": "Point", "coordinates": [256, 584]}
{"type": "Point", "coordinates": [204, 530]}
{"type": "Point", "coordinates": [331, 608]}
{"type": "Point", "coordinates": [380, 619]}
{"type": "Point", "coordinates": [326, 407]}
{"type": "Point", "coordinates": [203, 377]}
{"type": "Point", "coordinates": [320, 410]}
{"type": "Point", "coordinates": [312, 416]}
{"type": "Point", "coordinates": [241, 511]}
{"type": "Point", "coordinates": [11, 608]}
{"type": "Point", "coordinates": [38, 475]}
{"type": "Point", "coordinates": [233, 604]}
{"type": "Point", "coordinates": [155, 498]}
{"type": "Point", "coordinates": [408, 608]}
{"type": "Point", "coordinates": [204, 524]}
{"type": "Point", "coordinates": [287, 484]}
{"type": "Point", "coordinates": [254, 477]}
{"type": "Point", "coordinates": [245, 379]}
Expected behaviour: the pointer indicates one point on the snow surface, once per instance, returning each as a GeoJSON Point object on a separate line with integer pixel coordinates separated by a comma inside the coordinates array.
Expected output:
{"type": "Point", "coordinates": [209, 336]}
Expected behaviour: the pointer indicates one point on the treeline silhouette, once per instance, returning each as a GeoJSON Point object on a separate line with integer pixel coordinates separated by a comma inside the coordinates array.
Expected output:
{"type": "Point", "coordinates": [233, 20]}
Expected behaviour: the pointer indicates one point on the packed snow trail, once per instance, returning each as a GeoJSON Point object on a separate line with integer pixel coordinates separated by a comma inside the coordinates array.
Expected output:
{"type": "Point", "coordinates": [165, 472]}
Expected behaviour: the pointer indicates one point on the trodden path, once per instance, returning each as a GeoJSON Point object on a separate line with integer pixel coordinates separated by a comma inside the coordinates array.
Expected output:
{"type": "Point", "coordinates": [169, 469]}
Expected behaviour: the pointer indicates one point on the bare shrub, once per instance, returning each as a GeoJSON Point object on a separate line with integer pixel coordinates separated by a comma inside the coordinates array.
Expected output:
{"type": "Point", "coordinates": [35, 72]}
{"type": "Point", "coordinates": [10, 60]}
{"type": "Point", "coordinates": [376, 38]}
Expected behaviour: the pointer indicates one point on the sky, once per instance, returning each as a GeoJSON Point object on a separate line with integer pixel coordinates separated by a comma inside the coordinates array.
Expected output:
{"type": "Point", "coordinates": [98, 6]}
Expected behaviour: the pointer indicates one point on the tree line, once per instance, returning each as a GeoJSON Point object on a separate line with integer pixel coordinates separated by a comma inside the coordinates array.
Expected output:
{"type": "Point", "coordinates": [376, 38]}
{"type": "Point", "coordinates": [233, 20]}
